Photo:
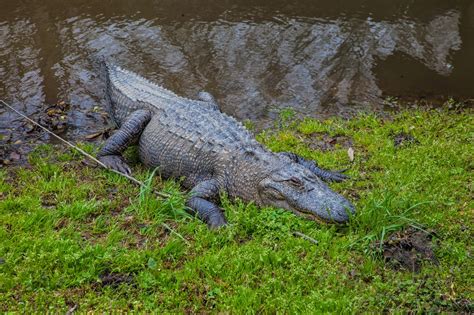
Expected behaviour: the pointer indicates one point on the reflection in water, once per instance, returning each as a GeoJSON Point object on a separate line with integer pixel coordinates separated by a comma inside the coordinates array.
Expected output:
{"type": "Point", "coordinates": [21, 82]}
{"type": "Point", "coordinates": [318, 67]}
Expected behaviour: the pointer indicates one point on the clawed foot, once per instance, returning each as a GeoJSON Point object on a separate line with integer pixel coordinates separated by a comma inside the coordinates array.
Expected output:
{"type": "Point", "coordinates": [327, 176]}
{"type": "Point", "coordinates": [216, 221]}
{"type": "Point", "coordinates": [332, 176]}
{"type": "Point", "coordinates": [116, 162]}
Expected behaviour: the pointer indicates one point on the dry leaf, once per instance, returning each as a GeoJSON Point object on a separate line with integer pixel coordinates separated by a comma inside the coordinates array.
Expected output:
{"type": "Point", "coordinates": [94, 135]}
{"type": "Point", "coordinates": [14, 156]}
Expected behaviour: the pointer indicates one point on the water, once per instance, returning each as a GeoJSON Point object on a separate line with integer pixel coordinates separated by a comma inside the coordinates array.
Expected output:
{"type": "Point", "coordinates": [321, 58]}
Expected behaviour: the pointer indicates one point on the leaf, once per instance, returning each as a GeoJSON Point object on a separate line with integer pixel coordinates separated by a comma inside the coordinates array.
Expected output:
{"type": "Point", "coordinates": [14, 156]}
{"type": "Point", "coordinates": [152, 263]}
{"type": "Point", "coordinates": [350, 153]}
{"type": "Point", "coordinates": [94, 135]}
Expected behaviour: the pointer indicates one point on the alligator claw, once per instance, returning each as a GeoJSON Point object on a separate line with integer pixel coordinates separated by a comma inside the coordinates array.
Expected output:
{"type": "Point", "coordinates": [329, 176]}
{"type": "Point", "coordinates": [334, 176]}
{"type": "Point", "coordinates": [216, 221]}
{"type": "Point", "coordinates": [325, 175]}
{"type": "Point", "coordinates": [116, 162]}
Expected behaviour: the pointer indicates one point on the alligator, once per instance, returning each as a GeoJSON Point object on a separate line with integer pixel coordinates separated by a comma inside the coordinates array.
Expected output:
{"type": "Point", "coordinates": [211, 152]}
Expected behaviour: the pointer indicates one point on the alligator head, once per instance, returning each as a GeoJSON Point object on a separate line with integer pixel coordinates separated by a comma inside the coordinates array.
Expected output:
{"type": "Point", "coordinates": [295, 188]}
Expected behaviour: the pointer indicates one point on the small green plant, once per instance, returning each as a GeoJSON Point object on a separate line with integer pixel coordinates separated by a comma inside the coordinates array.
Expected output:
{"type": "Point", "coordinates": [286, 117]}
{"type": "Point", "coordinates": [250, 125]}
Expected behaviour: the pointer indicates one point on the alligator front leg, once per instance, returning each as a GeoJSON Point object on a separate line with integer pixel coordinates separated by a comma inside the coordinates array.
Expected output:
{"type": "Point", "coordinates": [325, 175]}
{"type": "Point", "coordinates": [200, 205]}
{"type": "Point", "coordinates": [208, 98]}
{"type": "Point", "coordinates": [129, 132]}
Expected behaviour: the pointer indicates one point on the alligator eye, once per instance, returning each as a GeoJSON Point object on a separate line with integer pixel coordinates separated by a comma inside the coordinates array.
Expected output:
{"type": "Point", "coordinates": [296, 182]}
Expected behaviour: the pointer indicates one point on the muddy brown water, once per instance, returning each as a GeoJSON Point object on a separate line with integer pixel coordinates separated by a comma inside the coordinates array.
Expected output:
{"type": "Point", "coordinates": [319, 57]}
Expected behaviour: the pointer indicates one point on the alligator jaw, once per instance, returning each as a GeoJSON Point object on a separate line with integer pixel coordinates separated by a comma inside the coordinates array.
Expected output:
{"type": "Point", "coordinates": [316, 218]}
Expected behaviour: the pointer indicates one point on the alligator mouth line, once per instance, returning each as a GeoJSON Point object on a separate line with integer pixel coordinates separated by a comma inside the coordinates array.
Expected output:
{"type": "Point", "coordinates": [309, 216]}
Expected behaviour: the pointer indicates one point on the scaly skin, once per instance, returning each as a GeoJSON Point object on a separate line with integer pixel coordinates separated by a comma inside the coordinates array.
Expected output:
{"type": "Point", "coordinates": [212, 151]}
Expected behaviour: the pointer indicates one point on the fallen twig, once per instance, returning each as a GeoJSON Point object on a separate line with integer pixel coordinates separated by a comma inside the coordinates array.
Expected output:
{"type": "Point", "coordinates": [72, 310]}
{"type": "Point", "coordinates": [306, 237]}
{"type": "Point", "coordinates": [166, 226]}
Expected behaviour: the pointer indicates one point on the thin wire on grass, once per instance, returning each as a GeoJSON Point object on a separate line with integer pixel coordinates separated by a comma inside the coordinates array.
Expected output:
{"type": "Point", "coordinates": [131, 178]}
{"type": "Point", "coordinates": [169, 228]}
{"type": "Point", "coordinates": [146, 189]}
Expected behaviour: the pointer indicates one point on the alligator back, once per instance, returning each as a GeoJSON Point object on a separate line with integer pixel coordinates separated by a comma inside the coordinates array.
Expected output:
{"type": "Point", "coordinates": [127, 92]}
{"type": "Point", "coordinates": [185, 138]}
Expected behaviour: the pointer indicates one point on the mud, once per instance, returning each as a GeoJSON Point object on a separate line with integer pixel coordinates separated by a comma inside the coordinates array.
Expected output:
{"type": "Point", "coordinates": [321, 141]}
{"type": "Point", "coordinates": [22, 136]}
{"type": "Point", "coordinates": [408, 250]}
{"type": "Point", "coordinates": [404, 139]}
{"type": "Point", "coordinates": [115, 279]}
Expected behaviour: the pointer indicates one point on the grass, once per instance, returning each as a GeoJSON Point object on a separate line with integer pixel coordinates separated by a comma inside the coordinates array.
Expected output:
{"type": "Point", "coordinates": [81, 238]}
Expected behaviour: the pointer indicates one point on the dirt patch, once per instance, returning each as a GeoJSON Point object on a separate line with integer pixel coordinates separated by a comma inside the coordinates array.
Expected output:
{"type": "Point", "coordinates": [203, 293]}
{"type": "Point", "coordinates": [13, 153]}
{"type": "Point", "coordinates": [352, 193]}
{"type": "Point", "coordinates": [61, 224]}
{"type": "Point", "coordinates": [460, 305]}
{"type": "Point", "coordinates": [140, 239]}
{"type": "Point", "coordinates": [403, 139]}
{"type": "Point", "coordinates": [408, 249]}
{"type": "Point", "coordinates": [93, 238]}
{"type": "Point", "coordinates": [17, 142]}
{"type": "Point", "coordinates": [49, 200]}
{"type": "Point", "coordinates": [114, 279]}
{"type": "Point", "coordinates": [320, 141]}
{"type": "Point", "coordinates": [243, 239]}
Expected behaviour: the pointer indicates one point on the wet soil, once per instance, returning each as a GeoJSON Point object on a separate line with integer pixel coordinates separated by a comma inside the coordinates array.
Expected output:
{"type": "Point", "coordinates": [115, 279]}
{"type": "Point", "coordinates": [408, 249]}
{"type": "Point", "coordinates": [404, 139]}
{"type": "Point", "coordinates": [321, 141]}
{"type": "Point", "coordinates": [20, 138]}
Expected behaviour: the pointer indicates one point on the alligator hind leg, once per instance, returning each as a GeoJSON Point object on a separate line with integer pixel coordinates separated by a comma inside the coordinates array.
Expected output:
{"type": "Point", "coordinates": [328, 176]}
{"type": "Point", "coordinates": [206, 210]}
{"type": "Point", "coordinates": [111, 152]}
{"type": "Point", "coordinates": [208, 98]}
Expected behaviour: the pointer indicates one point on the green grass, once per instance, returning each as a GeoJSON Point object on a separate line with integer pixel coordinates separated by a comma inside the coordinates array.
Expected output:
{"type": "Point", "coordinates": [65, 228]}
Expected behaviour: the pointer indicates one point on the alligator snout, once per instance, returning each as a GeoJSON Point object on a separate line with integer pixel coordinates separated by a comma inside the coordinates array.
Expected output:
{"type": "Point", "coordinates": [341, 211]}
{"type": "Point", "coordinates": [326, 205]}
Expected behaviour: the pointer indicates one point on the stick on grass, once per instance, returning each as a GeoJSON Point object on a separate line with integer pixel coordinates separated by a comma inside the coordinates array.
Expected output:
{"type": "Point", "coordinates": [131, 178]}
{"type": "Point", "coordinates": [306, 237]}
